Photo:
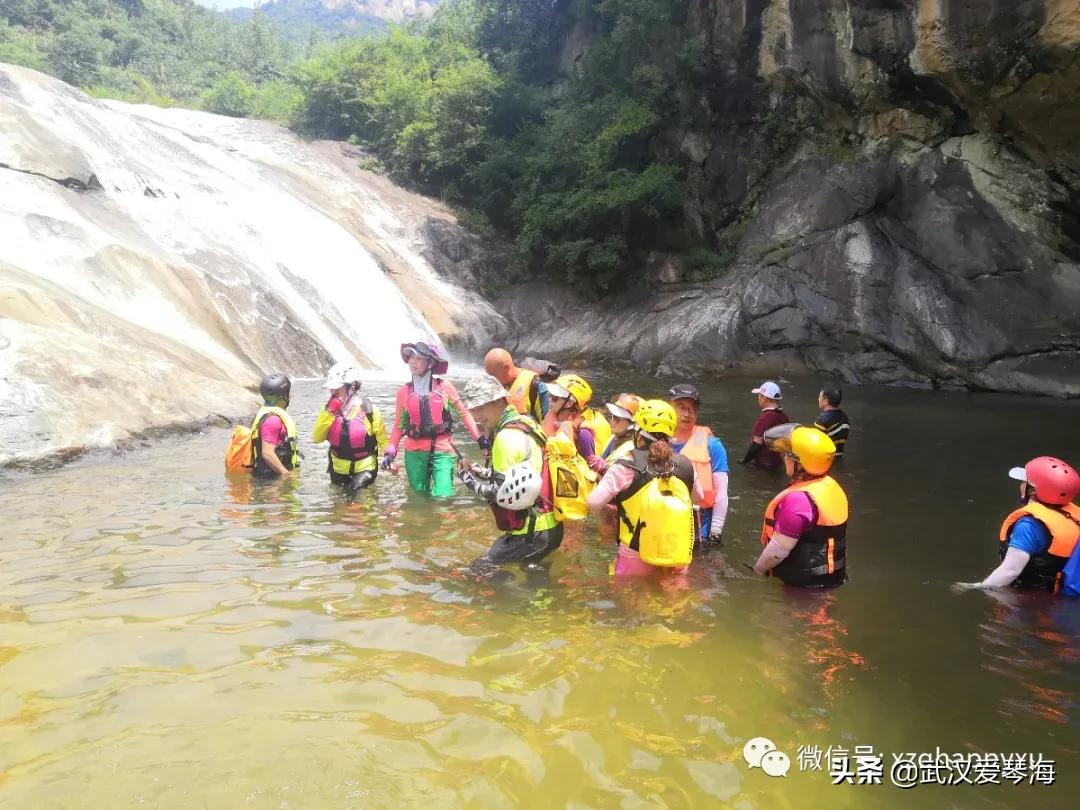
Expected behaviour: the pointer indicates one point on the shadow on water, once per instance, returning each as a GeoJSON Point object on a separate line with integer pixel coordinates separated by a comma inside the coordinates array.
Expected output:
{"type": "Point", "coordinates": [179, 637]}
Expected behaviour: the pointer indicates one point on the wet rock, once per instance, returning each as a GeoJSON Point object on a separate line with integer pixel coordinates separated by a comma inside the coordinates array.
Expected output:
{"type": "Point", "coordinates": [155, 262]}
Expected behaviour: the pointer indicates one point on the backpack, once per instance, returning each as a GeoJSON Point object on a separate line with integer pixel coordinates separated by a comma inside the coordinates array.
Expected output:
{"type": "Point", "coordinates": [240, 454]}
{"type": "Point", "coordinates": [665, 530]}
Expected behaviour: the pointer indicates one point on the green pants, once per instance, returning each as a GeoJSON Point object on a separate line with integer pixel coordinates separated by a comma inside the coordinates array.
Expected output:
{"type": "Point", "coordinates": [434, 478]}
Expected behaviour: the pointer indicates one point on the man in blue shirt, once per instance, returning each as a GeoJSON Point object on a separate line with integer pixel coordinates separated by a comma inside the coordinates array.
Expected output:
{"type": "Point", "coordinates": [706, 452]}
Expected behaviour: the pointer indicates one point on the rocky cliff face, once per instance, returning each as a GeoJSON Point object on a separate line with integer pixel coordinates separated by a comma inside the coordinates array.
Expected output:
{"type": "Point", "coordinates": [899, 183]}
{"type": "Point", "coordinates": [154, 262]}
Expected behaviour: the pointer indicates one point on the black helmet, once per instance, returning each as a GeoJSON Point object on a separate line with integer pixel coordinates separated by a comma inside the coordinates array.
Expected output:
{"type": "Point", "coordinates": [275, 385]}
{"type": "Point", "coordinates": [685, 391]}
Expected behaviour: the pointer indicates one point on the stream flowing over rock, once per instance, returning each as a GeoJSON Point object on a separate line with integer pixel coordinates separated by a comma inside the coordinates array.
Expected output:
{"type": "Point", "coordinates": [898, 183]}
{"type": "Point", "coordinates": [155, 262]}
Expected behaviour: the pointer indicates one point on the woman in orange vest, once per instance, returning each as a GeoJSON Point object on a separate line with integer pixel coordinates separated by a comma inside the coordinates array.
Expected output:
{"type": "Point", "coordinates": [1036, 540]}
{"type": "Point", "coordinates": [805, 530]}
{"type": "Point", "coordinates": [706, 452]}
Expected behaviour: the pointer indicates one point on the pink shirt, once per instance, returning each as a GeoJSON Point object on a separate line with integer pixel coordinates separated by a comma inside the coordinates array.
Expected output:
{"type": "Point", "coordinates": [443, 444]}
{"type": "Point", "coordinates": [795, 514]}
{"type": "Point", "coordinates": [272, 430]}
{"type": "Point", "coordinates": [617, 478]}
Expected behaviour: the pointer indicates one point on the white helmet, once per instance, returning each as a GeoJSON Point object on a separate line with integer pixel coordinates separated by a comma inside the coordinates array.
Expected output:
{"type": "Point", "coordinates": [342, 374]}
{"type": "Point", "coordinates": [520, 487]}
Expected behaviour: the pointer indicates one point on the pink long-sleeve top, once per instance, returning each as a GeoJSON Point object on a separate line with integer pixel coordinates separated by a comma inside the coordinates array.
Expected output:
{"type": "Point", "coordinates": [617, 478]}
{"type": "Point", "coordinates": [443, 444]}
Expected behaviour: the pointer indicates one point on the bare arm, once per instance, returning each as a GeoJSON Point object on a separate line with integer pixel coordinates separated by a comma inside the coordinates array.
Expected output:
{"type": "Point", "coordinates": [269, 455]}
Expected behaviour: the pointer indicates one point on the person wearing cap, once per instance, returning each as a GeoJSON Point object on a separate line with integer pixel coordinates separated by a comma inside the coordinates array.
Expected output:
{"type": "Point", "coordinates": [708, 456]}
{"type": "Point", "coordinates": [772, 414]}
{"type": "Point", "coordinates": [570, 396]}
{"type": "Point", "coordinates": [526, 392]}
{"type": "Point", "coordinates": [804, 533]}
{"type": "Point", "coordinates": [423, 417]}
{"type": "Point", "coordinates": [517, 485]}
{"type": "Point", "coordinates": [1037, 539]}
{"type": "Point", "coordinates": [832, 421]}
{"type": "Point", "coordinates": [353, 426]}
{"type": "Point", "coordinates": [620, 413]}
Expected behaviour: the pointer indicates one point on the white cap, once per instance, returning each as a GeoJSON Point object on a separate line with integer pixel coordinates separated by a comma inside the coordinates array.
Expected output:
{"type": "Point", "coordinates": [769, 390]}
{"type": "Point", "coordinates": [619, 413]}
{"type": "Point", "coordinates": [557, 391]}
{"type": "Point", "coordinates": [1019, 473]}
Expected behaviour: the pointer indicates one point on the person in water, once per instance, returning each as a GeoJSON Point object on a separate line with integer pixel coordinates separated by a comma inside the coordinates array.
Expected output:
{"type": "Point", "coordinates": [422, 414]}
{"type": "Point", "coordinates": [805, 529]}
{"type": "Point", "coordinates": [570, 395]}
{"type": "Point", "coordinates": [653, 491]}
{"type": "Point", "coordinates": [1037, 539]}
{"type": "Point", "coordinates": [273, 433]}
{"type": "Point", "coordinates": [772, 414]}
{"type": "Point", "coordinates": [709, 457]}
{"type": "Point", "coordinates": [526, 392]}
{"type": "Point", "coordinates": [832, 421]}
{"type": "Point", "coordinates": [517, 485]}
{"type": "Point", "coordinates": [620, 413]}
{"type": "Point", "coordinates": [353, 426]}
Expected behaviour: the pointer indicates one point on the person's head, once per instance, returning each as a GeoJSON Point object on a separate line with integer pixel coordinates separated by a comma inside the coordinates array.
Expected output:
{"type": "Point", "coordinates": [1048, 480]}
{"type": "Point", "coordinates": [275, 389]}
{"type": "Point", "coordinates": [655, 421]}
{"type": "Point", "coordinates": [485, 398]}
{"type": "Point", "coordinates": [807, 451]}
{"type": "Point", "coordinates": [342, 380]}
{"type": "Point", "coordinates": [423, 358]}
{"type": "Point", "coordinates": [685, 399]}
{"type": "Point", "coordinates": [569, 394]}
{"type": "Point", "coordinates": [620, 412]}
{"type": "Point", "coordinates": [829, 398]}
{"type": "Point", "coordinates": [500, 365]}
{"type": "Point", "coordinates": [768, 395]}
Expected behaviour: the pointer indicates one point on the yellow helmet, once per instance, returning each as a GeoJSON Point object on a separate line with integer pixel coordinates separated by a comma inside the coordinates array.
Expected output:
{"type": "Point", "coordinates": [656, 417]}
{"type": "Point", "coordinates": [571, 386]}
{"type": "Point", "coordinates": [810, 447]}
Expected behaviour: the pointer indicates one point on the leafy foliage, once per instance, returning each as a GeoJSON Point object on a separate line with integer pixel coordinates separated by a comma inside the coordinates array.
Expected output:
{"type": "Point", "coordinates": [156, 51]}
{"type": "Point", "coordinates": [542, 120]}
{"type": "Point", "coordinates": [475, 107]}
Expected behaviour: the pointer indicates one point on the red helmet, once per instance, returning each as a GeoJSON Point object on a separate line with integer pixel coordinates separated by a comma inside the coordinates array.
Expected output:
{"type": "Point", "coordinates": [427, 351]}
{"type": "Point", "coordinates": [1055, 482]}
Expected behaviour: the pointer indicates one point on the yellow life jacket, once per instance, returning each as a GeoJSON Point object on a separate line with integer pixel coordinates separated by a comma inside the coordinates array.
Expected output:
{"type": "Point", "coordinates": [1043, 571]}
{"type": "Point", "coordinates": [622, 449]}
{"type": "Point", "coordinates": [697, 450]}
{"type": "Point", "coordinates": [524, 395]}
{"type": "Point", "coordinates": [570, 487]}
{"type": "Point", "coordinates": [288, 451]}
{"type": "Point", "coordinates": [656, 513]}
{"type": "Point", "coordinates": [595, 421]}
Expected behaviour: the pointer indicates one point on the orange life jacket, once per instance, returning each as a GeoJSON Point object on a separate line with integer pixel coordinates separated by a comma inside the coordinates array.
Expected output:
{"type": "Point", "coordinates": [696, 450]}
{"type": "Point", "coordinates": [820, 556]}
{"type": "Point", "coordinates": [1043, 571]}
{"type": "Point", "coordinates": [524, 395]}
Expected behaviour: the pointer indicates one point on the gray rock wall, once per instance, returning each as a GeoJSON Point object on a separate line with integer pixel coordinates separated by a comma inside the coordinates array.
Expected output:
{"type": "Point", "coordinates": [901, 183]}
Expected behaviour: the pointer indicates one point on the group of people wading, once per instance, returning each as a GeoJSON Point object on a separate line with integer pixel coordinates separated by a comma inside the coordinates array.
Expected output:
{"type": "Point", "coordinates": [656, 479]}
